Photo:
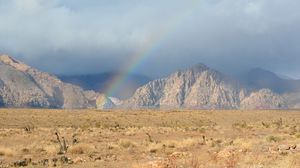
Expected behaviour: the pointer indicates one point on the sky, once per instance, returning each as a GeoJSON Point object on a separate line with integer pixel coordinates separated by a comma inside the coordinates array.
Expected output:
{"type": "Point", "coordinates": [95, 36]}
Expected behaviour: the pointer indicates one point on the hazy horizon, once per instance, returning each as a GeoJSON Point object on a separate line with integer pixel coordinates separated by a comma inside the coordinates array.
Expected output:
{"type": "Point", "coordinates": [152, 38]}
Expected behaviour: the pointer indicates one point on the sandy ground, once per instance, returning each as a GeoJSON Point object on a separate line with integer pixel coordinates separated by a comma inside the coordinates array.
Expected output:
{"type": "Point", "coordinates": [149, 138]}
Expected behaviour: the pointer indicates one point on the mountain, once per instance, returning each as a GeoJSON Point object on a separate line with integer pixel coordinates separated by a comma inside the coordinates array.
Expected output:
{"type": "Point", "coordinates": [259, 79]}
{"type": "Point", "coordinates": [197, 87]}
{"type": "Point", "coordinates": [23, 86]}
{"type": "Point", "coordinates": [200, 87]}
{"type": "Point", "coordinates": [100, 82]}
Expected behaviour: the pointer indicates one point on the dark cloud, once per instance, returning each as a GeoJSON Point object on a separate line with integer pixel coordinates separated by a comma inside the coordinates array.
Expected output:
{"type": "Point", "coordinates": [63, 36]}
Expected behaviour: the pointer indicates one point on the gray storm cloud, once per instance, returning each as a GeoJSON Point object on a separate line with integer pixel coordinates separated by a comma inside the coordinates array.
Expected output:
{"type": "Point", "coordinates": [67, 37]}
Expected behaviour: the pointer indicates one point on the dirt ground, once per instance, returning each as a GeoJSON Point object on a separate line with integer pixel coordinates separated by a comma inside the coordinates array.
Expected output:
{"type": "Point", "coordinates": [149, 138]}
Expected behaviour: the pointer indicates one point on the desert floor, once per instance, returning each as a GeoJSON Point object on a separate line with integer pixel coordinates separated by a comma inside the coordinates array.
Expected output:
{"type": "Point", "coordinates": [149, 138]}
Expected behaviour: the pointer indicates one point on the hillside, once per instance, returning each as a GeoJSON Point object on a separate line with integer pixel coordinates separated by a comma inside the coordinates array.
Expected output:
{"type": "Point", "coordinates": [24, 86]}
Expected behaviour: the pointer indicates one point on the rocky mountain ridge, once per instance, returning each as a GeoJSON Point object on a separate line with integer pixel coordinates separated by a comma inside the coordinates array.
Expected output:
{"type": "Point", "coordinates": [200, 87]}
{"type": "Point", "coordinates": [24, 86]}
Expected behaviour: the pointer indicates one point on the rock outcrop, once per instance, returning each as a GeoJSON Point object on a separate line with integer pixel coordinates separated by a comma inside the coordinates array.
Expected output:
{"type": "Point", "coordinates": [264, 99]}
{"type": "Point", "coordinates": [24, 86]}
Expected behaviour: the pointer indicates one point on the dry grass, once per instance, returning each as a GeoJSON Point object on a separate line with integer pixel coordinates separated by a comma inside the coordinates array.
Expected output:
{"type": "Point", "coordinates": [6, 152]}
{"type": "Point", "coordinates": [149, 138]}
{"type": "Point", "coordinates": [81, 148]}
{"type": "Point", "coordinates": [126, 143]}
{"type": "Point", "coordinates": [272, 138]}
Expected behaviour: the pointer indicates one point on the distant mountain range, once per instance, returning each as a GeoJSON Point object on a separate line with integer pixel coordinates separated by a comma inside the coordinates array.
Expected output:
{"type": "Point", "coordinates": [100, 82]}
{"type": "Point", "coordinates": [289, 89]}
{"type": "Point", "coordinates": [198, 87]}
{"type": "Point", "coordinates": [259, 78]}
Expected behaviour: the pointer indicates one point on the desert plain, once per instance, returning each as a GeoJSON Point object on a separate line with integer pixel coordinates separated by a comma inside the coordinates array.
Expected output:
{"type": "Point", "coordinates": [149, 138]}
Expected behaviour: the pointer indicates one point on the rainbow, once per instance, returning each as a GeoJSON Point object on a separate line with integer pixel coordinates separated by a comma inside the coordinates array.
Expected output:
{"type": "Point", "coordinates": [152, 44]}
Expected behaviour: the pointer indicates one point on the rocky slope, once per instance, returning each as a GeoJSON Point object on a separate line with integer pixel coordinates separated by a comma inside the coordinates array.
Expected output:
{"type": "Point", "coordinates": [197, 87]}
{"type": "Point", "coordinates": [264, 99]}
{"type": "Point", "coordinates": [202, 88]}
{"type": "Point", "coordinates": [24, 86]}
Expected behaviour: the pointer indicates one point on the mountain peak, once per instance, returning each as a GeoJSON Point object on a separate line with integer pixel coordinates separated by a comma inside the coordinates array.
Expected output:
{"type": "Point", "coordinates": [6, 59]}
{"type": "Point", "coordinates": [199, 67]}
{"type": "Point", "coordinates": [197, 87]}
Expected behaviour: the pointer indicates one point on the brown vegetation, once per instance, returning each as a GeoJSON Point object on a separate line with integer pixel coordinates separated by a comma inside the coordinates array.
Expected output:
{"type": "Point", "coordinates": [149, 139]}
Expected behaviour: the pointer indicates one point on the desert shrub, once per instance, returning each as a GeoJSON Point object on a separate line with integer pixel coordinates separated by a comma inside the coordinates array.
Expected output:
{"type": "Point", "coordinates": [293, 130]}
{"type": "Point", "coordinates": [273, 138]}
{"type": "Point", "coordinates": [278, 123]}
{"type": "Point", "coordinates": [6, 152]}
{"type": "Point", "coordinates": [98, 125]}
{"type": "Point", "coordinates": [266, 125]}
{"type": "Point", "coordinates": [154, 148]}
{"type": "Point", "coordinates": [25, 150]}
{"type": "Point", "coordinates": [81, 148]}
{"type": "Point", "coordinates": [241, 125]}
{"type": "Point", "coordinates": [194, 162]}
{"type": "Point", "coordinates": [232, 160]}
{"type": "Point", "coordinates": [126, 143]}
{"type": "Point", "coordinates": [215, 143]}
{"type": "Point", "coordinates": [294, 161]}
{"type": "Point", "coordinates": [189, 142]}
{"type": "Point", "coordinates": [243, 144]}
{"type": "Point", "coordinates": [50, 149]}
{"type": "Point", "coordinates": [171, 144]}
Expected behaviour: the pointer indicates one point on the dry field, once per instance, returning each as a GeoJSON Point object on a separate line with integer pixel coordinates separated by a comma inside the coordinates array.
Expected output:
{"type": "Point", "coordinates": [149, 139]}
